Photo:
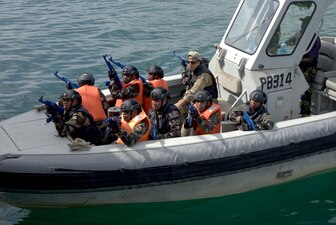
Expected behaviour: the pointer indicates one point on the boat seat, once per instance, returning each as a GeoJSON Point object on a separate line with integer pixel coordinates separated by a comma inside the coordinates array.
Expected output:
{"type": "Point", "coordinates": [225, 107]}
{"type": "Point", "coordinates": [326, 65]}
{"type": "Point", "coordinates": [227, 82]}
{"type": "Point", "coordinates": [324, 84]}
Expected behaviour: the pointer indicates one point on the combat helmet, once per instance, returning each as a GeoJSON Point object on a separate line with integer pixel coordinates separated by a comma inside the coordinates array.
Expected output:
{"type": "Point", "coordinates": [72, 94]}
{"type": "Point", "coordinates": [129, 105]}
{"type": "Point", "coordinates": [156, 70]}
{"type": "Point", "coordinates": [86, 78]}
{"type": "Point", "coordinates": [130, 70]}
{"type": "Point", "coordinates": [203, 95]}
{"type": "Point", "coordinates": [159, 93]}
{"type": "Point", "coordinates": [258, 96]}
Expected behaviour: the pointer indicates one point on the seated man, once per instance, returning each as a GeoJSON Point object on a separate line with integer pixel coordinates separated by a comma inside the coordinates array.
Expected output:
{"type": "Point", "coordinates": [132, 86]}
{"type": "Point", "coordinates": [93, 98]}
{"type": "Point", "coordinates": [155, 76]}
{"type": "Point", "coordinates": [165, 117]}
{"type": "Point", "coordinates": [255, 110]}
{"type": "Point", "coordinates": [134, 125]}
{"type": "Point", "coordinates": [76, 122]}
{"type": "Point", "coordinates": [199, 78]}
{"type": "Point", "coordinates": [204, 116]}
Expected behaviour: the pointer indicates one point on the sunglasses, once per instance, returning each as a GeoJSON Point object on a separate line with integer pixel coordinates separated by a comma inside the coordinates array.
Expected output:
{"type": "Point", "coordinates": [126, 75]}
{"type": "Point", "coordinates": [192, 62]}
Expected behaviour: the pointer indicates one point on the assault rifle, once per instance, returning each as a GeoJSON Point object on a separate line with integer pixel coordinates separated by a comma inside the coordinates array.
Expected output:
{"type": "Point", "coordinates": [68, 82]}
{"type": "Point", "coordinates": [249, 121]}
{"type": "Point", "coordinates": [52, 107]}
{"type": "Point", "coordinates": [112, 73]}
{"type": "Point", "coordinates": [122, 67]}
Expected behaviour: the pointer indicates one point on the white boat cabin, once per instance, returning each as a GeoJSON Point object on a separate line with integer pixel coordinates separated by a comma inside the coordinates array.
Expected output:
{"type": "Point", "coordinates": [249, 56]}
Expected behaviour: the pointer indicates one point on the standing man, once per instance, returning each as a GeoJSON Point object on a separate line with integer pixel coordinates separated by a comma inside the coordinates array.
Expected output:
{"type": "Point", "coordinates": [199, 78]}
{"type": "Point", "coordinates": [165, 117]}
{"type": "Point", "coordinates": [308, 66]}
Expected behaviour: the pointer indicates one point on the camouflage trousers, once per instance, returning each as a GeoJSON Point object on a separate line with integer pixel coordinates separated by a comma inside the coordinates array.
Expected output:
{"type": "Point", "coordinates": [305, 102]}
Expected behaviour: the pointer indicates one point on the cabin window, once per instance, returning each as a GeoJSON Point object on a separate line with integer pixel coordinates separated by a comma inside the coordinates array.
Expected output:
{"type": "Point", "coordinates": [289, 32]}
{"type": "Point", "coordinates": [250, 24]}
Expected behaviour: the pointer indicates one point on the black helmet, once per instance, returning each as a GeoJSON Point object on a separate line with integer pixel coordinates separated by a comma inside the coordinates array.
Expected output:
{"type": "Point", "coordinates": [129, 105]}
{"type": "Point", "coordinates": [203, 95]}
{"type": "Point", "coordinates": [86, 78]}
{"type": "Point", "coordinates": [156, 70]}
{"type": "Point", "coordinates": [72, 94]}
{"type": "Point", "coordinates": [130, 70]}
{"type": "Point", "coordinates": [159, 93]}
{"type": "Point", "coordinates": [258, 96]}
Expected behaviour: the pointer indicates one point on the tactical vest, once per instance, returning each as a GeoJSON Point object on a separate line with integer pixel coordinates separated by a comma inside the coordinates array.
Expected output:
{"type": "Point", "coordinates": [164, 128]}
{"type": "Point", "coordinates": [89, 132]}
{"type": "Point", "coordinates": [212, 88]}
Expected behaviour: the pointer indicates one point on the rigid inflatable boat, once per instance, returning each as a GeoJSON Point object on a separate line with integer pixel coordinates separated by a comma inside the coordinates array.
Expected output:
{"type": "Point", "coordinates": [37, 167]}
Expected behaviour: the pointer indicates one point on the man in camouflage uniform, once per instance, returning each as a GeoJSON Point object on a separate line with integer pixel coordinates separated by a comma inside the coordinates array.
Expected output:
{"type": "Point", "coordinates": [134, 125]}
{"type": "Point", "coordinates": [199, 78]}
{"type": "Point", "coordinates": [204, 116]}
{"type": "Point", "coordinates": [76, 122]}
{"type": "Point", "coordinates": [132, 86]}
{"type": "Point", "coordinates": [255, 110]}
{"type": "Point", "coordinates": [164, 116]}
{"type": "Point", "coordinates": [308, 66]}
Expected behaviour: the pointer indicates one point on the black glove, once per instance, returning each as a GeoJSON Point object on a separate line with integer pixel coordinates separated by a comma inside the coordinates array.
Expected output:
{"type": "Point", "coordinates": [112, 74]}
{"type": "Point", "coordinates": [194, 114]}
{"type": "Point", "coordinates": [114, 127]}
{"type": "Point", "coordinates": [183, 63]}
{"type": "Point", "coordinates": [68, 85]}
{"type": "Point", "coordinates": [51, 111]}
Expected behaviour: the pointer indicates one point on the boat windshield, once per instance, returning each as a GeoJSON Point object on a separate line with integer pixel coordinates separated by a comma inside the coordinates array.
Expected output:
{"type": "Point", "coordinates": [251, 24]}
{"type": "Point", "coordinates": [291, 28]}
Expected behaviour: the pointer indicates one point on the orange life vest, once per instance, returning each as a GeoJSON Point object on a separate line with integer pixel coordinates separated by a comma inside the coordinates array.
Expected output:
{"type": "Point", "coordinates": [91, 100]}
{"type": "Point", "coordinates": [128, 126]}
{"type": "Point", "coordinates": [147, 104]}
{"type": "Point", "coordinates": [138, 97]}
{"type": "Point", "coordinates": [206, 114]}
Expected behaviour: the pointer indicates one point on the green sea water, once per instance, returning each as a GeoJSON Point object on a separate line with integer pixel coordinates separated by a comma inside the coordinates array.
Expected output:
{"type": "Point", "coordinates": [40, 37]}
